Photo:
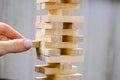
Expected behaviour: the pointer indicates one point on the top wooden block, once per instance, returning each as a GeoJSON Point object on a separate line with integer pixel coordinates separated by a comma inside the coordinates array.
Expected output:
{"type": "Point", "coordinates": [51, 6]}
{"type": "Point", "coordinates": [61, 1]}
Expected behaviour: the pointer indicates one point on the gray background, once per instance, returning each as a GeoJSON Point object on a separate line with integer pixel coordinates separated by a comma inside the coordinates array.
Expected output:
{"type": "Point", "coordinates": [102, 29]}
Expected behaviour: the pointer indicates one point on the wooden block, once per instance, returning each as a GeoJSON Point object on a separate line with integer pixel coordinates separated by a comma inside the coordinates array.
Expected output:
{"type": "Point", "coordinates": [61, 59]}
{"type": "Point", "coordinates": [57, 32]}
{"type": "Point", "coordinates": [42, 78]}
{"type": "Point", "coordinates": [48, 38]}
{"type": "Point", "coordinates": [60, 1]}
{"type": "Point", "coordinates": [72, 1]}
{"type": "Point", "coordinates": [55, 18]}
{"type": "Point", "coordinates": [50, 52]}
{"type": "Point", "coordinates": [42, 1]}
{"type": "Point", "coordinates": [66, 12]}
{"type": "Point", "coordinates": [51, 25]}
{"type": "Point", "coordinates": [61, 12]}
{"type": "Point", "coordinates": [75, 39]}
{"type": "Point", "coordinates": [74, 26]}
{"type": "Point", "coordinates": [58, 52]}
{"type": "Point", "coordinates": [59, 25]}
{"type": "Point", "coordinates": [54, 71]}
{"type": "Point", "coordinates": [57, 65]}
{"type": "Point", "coordinates": [54, 12]}
{"type": "Point", "coordinates": [36, 44]}
{"type": "Point", "coordinates": [66, 77]}
{"type": "Point", "coordinates": [72, 52]}
{"type": "Point", "coordinates": [64, 65]}
{"type": "Point", "coordinates": [59, 45]}
{"type": "Point", "coordinates": [78, 52]}
{"type": "Point", "coordinates": [78, 26]}
{"type": "Point", "coordinates": [70, 77]}
{"type": "Point", "coordinates": [48, 6]}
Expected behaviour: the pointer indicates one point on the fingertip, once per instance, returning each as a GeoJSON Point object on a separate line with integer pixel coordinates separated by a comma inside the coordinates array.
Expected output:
{"type": "Point", "coordinates": [27, 43]}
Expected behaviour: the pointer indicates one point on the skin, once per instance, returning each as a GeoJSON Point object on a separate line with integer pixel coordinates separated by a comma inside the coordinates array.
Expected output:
{"type": "Point", "coordinates": [11, 41]}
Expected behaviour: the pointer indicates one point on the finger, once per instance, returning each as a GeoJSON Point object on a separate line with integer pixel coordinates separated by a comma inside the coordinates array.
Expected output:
{"type": "Point", "coordinates": [9, 31]}
{"type": "Point", "coordinates": [15, 46]}
{"type": "Point", "coordinates": [3, 38]}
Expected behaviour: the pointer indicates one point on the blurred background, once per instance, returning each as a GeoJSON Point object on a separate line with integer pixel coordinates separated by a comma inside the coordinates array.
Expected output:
{"type": "Point", "coordinates": [102, 39]}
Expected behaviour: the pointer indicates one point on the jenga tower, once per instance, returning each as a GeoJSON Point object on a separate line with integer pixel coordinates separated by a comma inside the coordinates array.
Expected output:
{"type": "Point", "coordinates": [57, 40]}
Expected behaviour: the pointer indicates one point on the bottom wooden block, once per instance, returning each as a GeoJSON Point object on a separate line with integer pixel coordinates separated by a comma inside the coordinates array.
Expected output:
{"type": "Point", "coordinates": [62, 77]}
{"type": "Point", "coordinates": [67, 77]}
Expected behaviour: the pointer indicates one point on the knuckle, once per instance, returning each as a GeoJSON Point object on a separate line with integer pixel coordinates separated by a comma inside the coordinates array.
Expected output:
{"type": "Point", "coordinates": [3, 28]}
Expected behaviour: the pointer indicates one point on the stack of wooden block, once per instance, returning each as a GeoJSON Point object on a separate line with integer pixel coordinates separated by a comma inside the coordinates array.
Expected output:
{"type": "Point", "coordinates": [57, 40]}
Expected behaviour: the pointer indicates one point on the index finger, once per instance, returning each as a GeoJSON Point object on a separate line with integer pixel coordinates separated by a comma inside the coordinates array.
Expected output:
{"type": "Point", "coordinates": [9, 32]}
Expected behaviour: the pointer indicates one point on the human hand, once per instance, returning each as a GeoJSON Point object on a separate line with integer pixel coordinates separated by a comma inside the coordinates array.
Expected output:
{"type": "Point", "coordinates": [17, 42]}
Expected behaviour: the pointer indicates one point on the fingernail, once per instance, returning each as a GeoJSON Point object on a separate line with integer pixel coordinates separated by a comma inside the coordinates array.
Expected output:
{"type": "Point", "coordinates": [28, 43]}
